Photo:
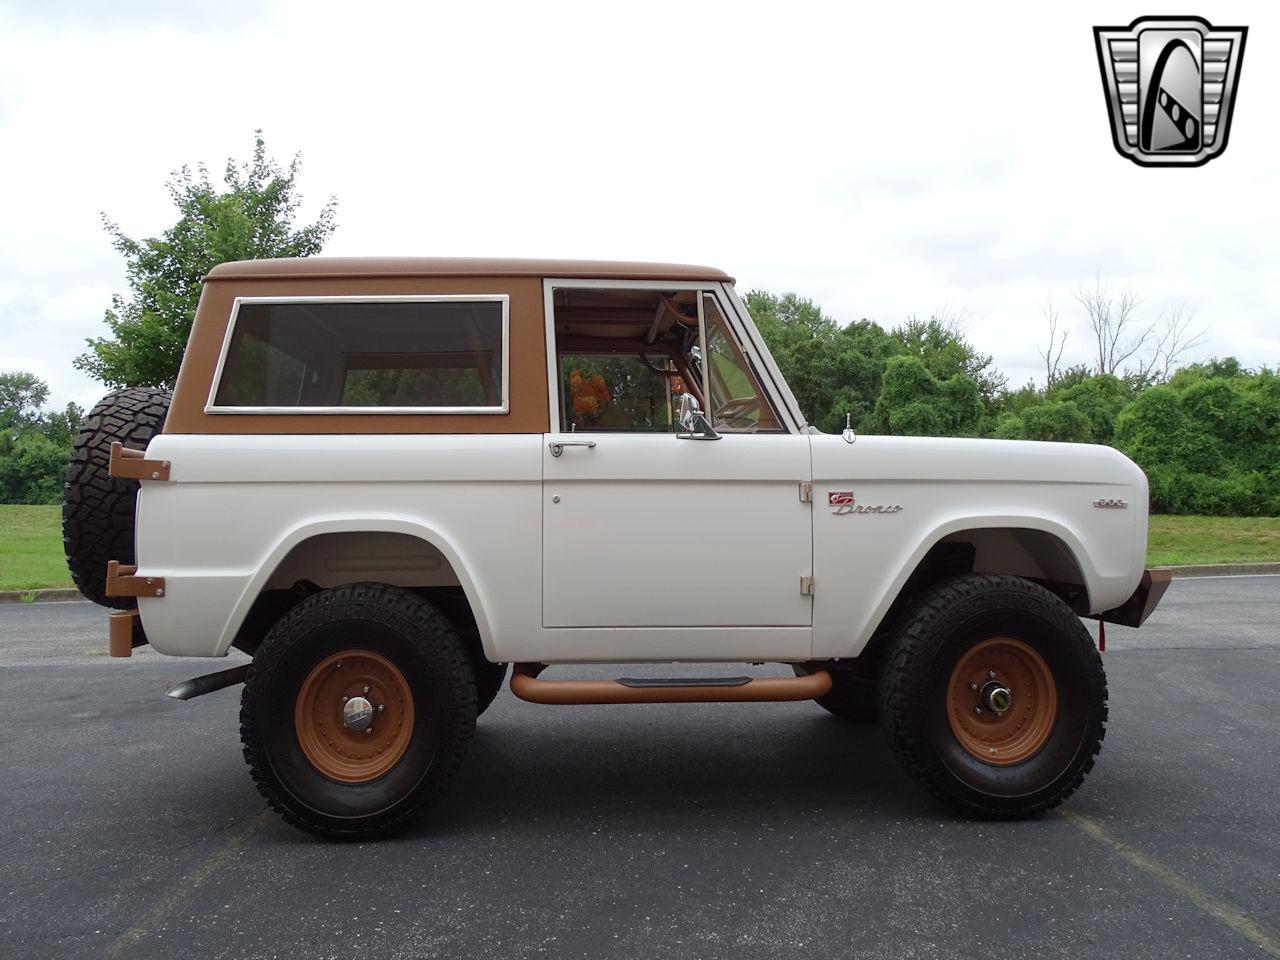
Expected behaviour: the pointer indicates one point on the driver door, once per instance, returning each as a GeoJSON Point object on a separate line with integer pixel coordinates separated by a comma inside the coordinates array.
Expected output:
{"type": "Point", "coordinates": [643, 528]}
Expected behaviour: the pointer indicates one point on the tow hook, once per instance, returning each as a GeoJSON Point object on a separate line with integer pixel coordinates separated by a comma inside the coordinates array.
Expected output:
{"type": "Point", "coordinates": [199, 686]}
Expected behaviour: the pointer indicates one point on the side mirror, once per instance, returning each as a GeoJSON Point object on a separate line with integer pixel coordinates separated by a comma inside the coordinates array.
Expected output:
{"type": "Point", "coordinates": [692, 422]}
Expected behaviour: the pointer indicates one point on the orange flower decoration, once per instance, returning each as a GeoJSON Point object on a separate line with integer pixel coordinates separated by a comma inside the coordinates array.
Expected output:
{"type": "Point", "coordinates": [588, 395]}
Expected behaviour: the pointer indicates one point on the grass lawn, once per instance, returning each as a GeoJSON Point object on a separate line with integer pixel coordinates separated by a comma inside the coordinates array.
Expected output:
{"type": "Point", "coordinates": [31, 544]}
{"type": "Point", "coordinates": [31, 548]}
{"type": "Point", "coordinates": [1174, 541]}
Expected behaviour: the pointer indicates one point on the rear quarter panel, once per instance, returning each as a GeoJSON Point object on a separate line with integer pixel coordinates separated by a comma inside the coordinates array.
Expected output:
{"type": "Point", "coordinates": [236, 505]}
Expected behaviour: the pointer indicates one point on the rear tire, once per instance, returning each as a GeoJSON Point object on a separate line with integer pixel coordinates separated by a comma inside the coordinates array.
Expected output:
{"type": "Point", "coordinates": [98, 510]}
{"type": "Point", "coordinates": [382, 643]}
{"type": "Point", "coordinates": [942, 709]}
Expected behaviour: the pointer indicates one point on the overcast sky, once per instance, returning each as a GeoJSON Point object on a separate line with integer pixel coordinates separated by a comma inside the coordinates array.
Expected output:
{"type": "Point", "coordinates": [885, 161]}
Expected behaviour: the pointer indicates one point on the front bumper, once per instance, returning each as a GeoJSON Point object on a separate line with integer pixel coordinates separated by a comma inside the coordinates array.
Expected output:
{"type": "Point", "coordinates": [1134, 611]}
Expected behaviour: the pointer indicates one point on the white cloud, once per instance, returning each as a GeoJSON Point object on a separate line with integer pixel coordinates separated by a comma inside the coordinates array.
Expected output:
{"type": "Point", "coordinates": [882, 161]}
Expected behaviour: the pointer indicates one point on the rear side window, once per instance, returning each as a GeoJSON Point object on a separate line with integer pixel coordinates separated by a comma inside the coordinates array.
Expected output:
{"type": "Point", "coordinates": [444, 354]}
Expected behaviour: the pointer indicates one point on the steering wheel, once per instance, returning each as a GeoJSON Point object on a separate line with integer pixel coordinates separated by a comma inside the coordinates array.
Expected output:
{"type": "Point", "coordinates": [737, 409]}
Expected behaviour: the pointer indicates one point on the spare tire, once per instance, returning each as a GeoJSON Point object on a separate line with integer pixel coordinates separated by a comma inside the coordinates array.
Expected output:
{"type": "Point", "coordinates": [97, 509]}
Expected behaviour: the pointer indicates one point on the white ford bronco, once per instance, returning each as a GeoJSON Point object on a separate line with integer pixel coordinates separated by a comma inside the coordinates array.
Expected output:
{"type": "Point", "coordinates": [393, 481]}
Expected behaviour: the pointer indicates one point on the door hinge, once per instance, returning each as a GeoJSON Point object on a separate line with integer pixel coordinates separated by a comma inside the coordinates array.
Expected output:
{"type": "Point", "coordinates": [806, 586]}
{"type": "Point", "coordinates": [806, 492]}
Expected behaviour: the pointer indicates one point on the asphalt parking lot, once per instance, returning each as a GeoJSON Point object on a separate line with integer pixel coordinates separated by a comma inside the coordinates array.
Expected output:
{"type": "Point", "coordinates": [129, 826]}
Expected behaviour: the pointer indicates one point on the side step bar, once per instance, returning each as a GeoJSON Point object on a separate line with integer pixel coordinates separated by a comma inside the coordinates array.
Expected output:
{"type": "Point", "coordinates": [526, 685]}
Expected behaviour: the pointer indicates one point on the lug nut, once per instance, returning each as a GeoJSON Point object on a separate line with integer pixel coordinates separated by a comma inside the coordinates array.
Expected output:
{"type": "Point", "coordinates": [345, 698]}
{"type": "Point", "coordinates": [368, 730]}
{"type": "Point", "coordinates": [973, 686]}
{"type": "Point", "coordinates": [381, 707]}
{"type": "Point", "coordinates": [366, 688]}
{"type": "Point", "coordinates": [991, 674]}
{"type": "Point", "coordinates": [977, 709]}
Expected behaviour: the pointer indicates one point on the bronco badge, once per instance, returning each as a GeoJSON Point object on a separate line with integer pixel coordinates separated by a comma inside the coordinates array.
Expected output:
{"type": "Point", "coordinates": [841, 502]}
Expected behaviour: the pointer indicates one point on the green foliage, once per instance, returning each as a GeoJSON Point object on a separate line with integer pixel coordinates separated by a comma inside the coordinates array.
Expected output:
{"type": "Point", "coordinates": [802, 340]}
{"type": "Point", "coordinates": [914, 402]}
{"type": "Point", "coordinates": [22, 394]}
{"type": "Point", "coordinates": [1100, 399]}
{"type": "Point", "coordinates": [34, 446]}
{"type": "Point", "coordinates": [251, 217]}
{"type": "Point", "coordinates": [836, 371]}
{"type": "Point", "coordinates": [942, 348]}
{"type": "Point", "coordinates": [1209, 438]}
{"type": "Point", "coordinates": [31, 470]}
{"type": "Point", "coordinates": [1209, 444]}
{"type": "Point", "coordinates": [1059, 420]}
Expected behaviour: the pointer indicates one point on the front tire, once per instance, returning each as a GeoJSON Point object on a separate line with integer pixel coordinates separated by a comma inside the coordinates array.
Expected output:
{"type": "Point", "coordinates": [489, 679]}
{"type": "Point", "coordinates": [852, 695]}
{"type": "Point", "coordinates": [354, 772]}
{"type": "Point", "coordinates": [993, 696]}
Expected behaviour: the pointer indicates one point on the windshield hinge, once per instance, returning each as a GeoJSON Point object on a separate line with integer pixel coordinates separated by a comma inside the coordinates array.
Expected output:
{"type": "Point", "coordinates": [806, 586]}
{"type": "Point", "coordinates": [806, 492]}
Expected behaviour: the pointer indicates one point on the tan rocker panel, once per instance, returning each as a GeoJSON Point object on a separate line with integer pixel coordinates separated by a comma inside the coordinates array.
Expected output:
{"type": "Point", "coordinates": [528, 390]}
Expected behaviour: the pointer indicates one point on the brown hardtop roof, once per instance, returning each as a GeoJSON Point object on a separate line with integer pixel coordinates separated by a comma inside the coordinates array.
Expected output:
{"type": "Point", "coordinates": [343, 267]}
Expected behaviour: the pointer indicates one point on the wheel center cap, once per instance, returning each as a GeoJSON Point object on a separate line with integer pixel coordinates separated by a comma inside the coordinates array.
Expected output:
{"type": "Point", "coordinates": [996, 697]}
{"type": "Point", "coordinates": [357, 714]}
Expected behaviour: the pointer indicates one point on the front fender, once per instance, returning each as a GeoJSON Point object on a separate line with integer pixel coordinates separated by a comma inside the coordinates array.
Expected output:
{"type": "Point", "coordinates": [898, 569]}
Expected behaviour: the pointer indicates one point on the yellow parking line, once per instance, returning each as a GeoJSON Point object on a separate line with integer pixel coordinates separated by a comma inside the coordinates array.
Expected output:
{"type": "Point", "coordinates": [1188, 890]}
{"type": "Point", "coordinates": [185, 888]}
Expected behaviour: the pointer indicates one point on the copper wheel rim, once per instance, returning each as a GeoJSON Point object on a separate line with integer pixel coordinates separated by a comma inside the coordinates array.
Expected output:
{"type": "Point", "coordinates": [346, 755]}
{"type": "Point", "coordinates": [1008, 736]}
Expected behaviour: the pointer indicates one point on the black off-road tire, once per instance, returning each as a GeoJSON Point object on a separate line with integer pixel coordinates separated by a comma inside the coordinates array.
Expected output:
{"type": "Point", "coordinates": [946, 622]}
{"type": "Point", "coordinates": [98, 510]}
{"type": "Point", "coordinates": [852, 695]}
{"type": "Point", "coordinates": [489, 678]}
{"type": "Point", "coordinates": [422, 644]}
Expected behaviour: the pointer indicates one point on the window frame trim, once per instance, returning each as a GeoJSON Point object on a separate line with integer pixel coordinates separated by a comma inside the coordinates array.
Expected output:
{"type": "Point", "coordinates": [742, 330]}
{"type": "Point", "coordinates": [504, 407]}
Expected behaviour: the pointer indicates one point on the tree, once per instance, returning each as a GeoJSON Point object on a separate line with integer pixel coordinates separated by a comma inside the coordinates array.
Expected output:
{"type": "Point", "coordinates": [22, 394]}
{"type": "Point", "coordinates": [1111, 318]}
{"type": "Point", "coordinates": [1052, 354]}
{"type": "Point", "coordinates": [1173, 339]}
{"type": "Point", "coordinates": [34, 446]}
{"type": "Point", "coordinates": [1100, 399]}
{"type": "Point", "coordinates": [801, 338]}
{"type": "Point", "coordinates": [61, 427]}
{"type": "Point", "coordinates": [1209, 444]}
{"type": "Point", "coordinates": [1059, 420]}
{"type": "Point", "coordinates": [940, 344]}
{"type": "Point", "coordinates": [251, 217]}
{"type": "Point", "coordinates": [31, 470]}
{"type": "Point", "coordinates": [913, 402]}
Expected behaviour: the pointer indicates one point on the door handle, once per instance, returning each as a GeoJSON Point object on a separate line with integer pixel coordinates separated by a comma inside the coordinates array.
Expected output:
{"type": "Point", "coordinates": [557, 446]}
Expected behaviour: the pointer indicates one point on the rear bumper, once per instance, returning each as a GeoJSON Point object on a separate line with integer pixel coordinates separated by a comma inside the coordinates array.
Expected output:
{"type": "Point", "coordinates": [1134, 611]}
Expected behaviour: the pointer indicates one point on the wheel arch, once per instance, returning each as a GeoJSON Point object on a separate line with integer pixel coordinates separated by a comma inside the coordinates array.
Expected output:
{"type": "Point", "coordinates": [293, 542]}
{"type": "Point", "coordinates": [1036, 548]}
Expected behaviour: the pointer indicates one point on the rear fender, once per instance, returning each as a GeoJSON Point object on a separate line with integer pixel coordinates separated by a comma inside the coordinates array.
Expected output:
{"type": "Point", "coordinates": [359, 524]}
